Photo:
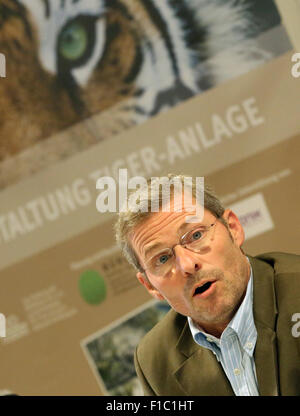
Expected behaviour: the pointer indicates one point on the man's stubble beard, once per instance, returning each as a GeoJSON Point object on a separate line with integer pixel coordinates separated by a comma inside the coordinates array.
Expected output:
{"type": "Point", "coordinates": [228, 297]}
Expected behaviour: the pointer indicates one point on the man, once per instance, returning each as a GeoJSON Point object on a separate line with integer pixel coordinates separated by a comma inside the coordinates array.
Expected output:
{"type": "Point", "coordinates": [229, 331]}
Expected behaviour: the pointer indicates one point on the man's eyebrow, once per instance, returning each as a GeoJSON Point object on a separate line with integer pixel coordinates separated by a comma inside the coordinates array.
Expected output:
{"type": "Point", "coordinates": [153, 248]}
{"type": "Point", "coordinates": [186, 226]}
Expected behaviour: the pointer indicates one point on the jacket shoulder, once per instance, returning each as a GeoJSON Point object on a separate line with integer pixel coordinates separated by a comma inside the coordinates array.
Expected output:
{"type": "Point", "coordinates": [157, 349]}
{"type": "Point", "coordinates": [282, 263]}
{"type": "Point", "coordinates": [286, 280]}
{"type": "Point", "coordinates": [165, 332]}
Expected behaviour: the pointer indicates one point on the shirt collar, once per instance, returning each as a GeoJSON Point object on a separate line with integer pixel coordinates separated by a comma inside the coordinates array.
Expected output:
{"type": "Point", "coordinates": [242, 323]}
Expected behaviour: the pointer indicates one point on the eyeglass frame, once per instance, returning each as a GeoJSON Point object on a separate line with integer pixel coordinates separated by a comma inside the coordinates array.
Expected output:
{"type": "Point", "coordinates": [171, 249]}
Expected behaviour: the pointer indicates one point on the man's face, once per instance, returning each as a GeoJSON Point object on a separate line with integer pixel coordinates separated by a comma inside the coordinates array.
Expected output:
{"type": "Point", "coordinates": [222, 266]}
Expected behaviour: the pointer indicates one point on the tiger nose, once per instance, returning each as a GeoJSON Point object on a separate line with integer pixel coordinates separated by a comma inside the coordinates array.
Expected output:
{"type": "Point", "coordinates": [186, 260]}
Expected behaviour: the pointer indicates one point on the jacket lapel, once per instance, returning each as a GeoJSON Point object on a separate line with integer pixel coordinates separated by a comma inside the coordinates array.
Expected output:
{"type": "Point", "coordinates": [265, 313]}
{"type": "Point", "coordinates": [200, 373]}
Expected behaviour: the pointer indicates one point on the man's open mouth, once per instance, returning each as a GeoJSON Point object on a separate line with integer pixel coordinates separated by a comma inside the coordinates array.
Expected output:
{"type": "Point", "coordinates": [203, 288]}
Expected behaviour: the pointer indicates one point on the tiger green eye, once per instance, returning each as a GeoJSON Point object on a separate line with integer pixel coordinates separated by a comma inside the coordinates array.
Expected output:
{"type": "Point", "coordinates": [73, 41]}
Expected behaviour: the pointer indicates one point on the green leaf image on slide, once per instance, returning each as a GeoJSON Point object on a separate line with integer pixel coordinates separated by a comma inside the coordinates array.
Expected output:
{"type": "Point", "coordinates": [92, 287]}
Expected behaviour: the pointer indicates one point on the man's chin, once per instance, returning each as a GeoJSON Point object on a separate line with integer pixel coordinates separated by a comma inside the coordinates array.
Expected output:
{"type": "Point", "coordinates": [214, 316]}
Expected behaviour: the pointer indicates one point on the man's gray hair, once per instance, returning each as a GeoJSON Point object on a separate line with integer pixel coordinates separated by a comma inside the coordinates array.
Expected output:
{"type": "Point", "coordinates": [129, 219]}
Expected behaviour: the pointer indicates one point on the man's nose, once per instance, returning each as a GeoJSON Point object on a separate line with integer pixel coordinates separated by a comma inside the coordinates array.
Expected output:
{"type": "Point", "coordinates": [186, 260]}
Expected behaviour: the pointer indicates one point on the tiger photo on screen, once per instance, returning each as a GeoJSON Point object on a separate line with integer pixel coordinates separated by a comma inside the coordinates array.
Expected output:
{"type": "Point", "coordinates": [127, 60]}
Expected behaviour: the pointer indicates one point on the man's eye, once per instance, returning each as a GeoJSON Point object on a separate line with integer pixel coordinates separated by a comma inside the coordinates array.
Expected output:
{"type": "Point", "coordinates": [162, 259]}
{"type": "Point", "coordinates": [197, 235]}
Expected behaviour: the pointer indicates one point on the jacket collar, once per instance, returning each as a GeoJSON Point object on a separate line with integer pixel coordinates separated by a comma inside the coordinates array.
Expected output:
{"type": "Point", "coordinates": [265, 317]}
{"type": "Point", "coordinates": [199, 373]}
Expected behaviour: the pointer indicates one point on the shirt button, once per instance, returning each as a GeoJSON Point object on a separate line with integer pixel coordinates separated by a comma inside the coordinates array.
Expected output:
{"type": "Point", "coordinates": [249, 345]}
{"type": "Point", "coordinates": [237, 371]}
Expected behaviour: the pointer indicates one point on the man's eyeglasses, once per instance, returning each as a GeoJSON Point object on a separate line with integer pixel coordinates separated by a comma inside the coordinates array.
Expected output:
{"type": "Point", "coordinates": [195, 240]}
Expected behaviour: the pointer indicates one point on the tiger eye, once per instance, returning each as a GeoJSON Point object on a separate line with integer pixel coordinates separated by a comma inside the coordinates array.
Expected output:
{"type": "Point", "coordinates": [73, 41]}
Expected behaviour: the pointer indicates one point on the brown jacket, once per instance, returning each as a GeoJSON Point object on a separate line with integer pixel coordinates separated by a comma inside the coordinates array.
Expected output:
{"type": "Point", "coordinates": [168, 361]}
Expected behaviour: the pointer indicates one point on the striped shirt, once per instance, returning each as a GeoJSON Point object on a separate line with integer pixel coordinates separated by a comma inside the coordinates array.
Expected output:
{"type": "Point", "coordinates": [235, 348]}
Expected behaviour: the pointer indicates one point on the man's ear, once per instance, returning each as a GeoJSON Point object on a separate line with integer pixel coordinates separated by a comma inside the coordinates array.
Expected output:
{"type": "Point", "coordinates": [235, 227]}
{"type": "Point", "coordinates": [151, 289]}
